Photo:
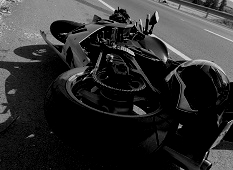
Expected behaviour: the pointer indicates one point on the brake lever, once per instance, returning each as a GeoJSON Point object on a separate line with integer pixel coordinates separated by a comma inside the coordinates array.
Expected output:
{"type": "Point", "coordinates": [140, 25]}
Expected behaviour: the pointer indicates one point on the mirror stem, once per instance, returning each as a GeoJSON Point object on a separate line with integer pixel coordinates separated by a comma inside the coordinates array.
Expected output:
{"type": "Point", "coordinates": [151, 29]}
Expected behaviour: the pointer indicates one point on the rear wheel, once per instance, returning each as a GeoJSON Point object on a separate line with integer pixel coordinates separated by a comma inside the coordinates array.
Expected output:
{"type": "Point", "coordinates": [88, 118]}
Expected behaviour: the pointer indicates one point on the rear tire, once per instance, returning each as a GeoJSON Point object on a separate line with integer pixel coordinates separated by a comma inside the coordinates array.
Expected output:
{"type": "Point", "coordinates": [111, 139]}
{"type": "Point", "coordinates": [89, 130]}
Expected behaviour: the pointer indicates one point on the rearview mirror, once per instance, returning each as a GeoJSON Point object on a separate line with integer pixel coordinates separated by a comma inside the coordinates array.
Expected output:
{"type": "Point", "coordinates": [154, 18]}
{"type": "Point", "coordinates": [96, 18]}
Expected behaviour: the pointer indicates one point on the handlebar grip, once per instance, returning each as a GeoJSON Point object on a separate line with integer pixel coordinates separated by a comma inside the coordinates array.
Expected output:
{"type": "Point", "coordinates": [140, 25]}
{"type": "Point", "coordinates": [147, 23]}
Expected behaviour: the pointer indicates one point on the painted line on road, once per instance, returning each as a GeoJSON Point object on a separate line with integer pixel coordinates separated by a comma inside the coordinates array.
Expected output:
{"type": "Point", "coordinates": [218, 35]}
{"type": "Point", "coordinates": [195, 17]}
{"type": "Point", "coordinates": [168, 46]}
{"type": "Point", "coordinates": [173, 49]}
{"type": "Point", "coordinates": [107, 5]}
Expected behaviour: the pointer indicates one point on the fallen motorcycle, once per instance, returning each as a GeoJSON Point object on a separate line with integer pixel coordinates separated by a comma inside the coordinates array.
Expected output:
{"type": "Point", "coordinates": [114, 102]}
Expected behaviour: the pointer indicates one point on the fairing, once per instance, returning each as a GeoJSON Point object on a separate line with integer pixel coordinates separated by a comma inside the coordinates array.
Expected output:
{"type": "Point", "coordinates": [77, 57]}
{"type": "Point", "coordinates": [156, 46]}
{"type": "Point", "coordinates": [74, 55]}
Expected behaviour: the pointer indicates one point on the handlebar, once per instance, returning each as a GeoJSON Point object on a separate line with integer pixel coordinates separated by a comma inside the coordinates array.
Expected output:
{"type": "Point", "coordinates": [149, 21]}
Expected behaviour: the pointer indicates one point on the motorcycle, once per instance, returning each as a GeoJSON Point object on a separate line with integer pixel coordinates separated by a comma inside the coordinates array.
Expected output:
{"type": "Point", "coordinates": [109, 104]}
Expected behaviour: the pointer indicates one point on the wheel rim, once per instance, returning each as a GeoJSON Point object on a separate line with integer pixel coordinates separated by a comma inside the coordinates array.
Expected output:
{"type": "Point", "coordinates": [88, 92]}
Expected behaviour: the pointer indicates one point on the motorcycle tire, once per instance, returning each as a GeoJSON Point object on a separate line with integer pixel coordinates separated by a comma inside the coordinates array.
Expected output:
{"type": "Point", "coordinates": [60, 28]}
{"type": "Point", "coordinates": [105, 136]}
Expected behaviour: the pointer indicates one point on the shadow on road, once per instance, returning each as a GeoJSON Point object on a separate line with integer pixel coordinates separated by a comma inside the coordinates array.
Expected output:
{"type": "Point", "coordinates": [28, 143]}
{"type": "Point", "coordinates": [224, 145]}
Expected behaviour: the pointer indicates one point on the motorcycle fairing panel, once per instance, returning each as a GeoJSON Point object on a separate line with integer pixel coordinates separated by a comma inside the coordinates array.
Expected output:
{"type": "Point", "coordinates": [75, 43]}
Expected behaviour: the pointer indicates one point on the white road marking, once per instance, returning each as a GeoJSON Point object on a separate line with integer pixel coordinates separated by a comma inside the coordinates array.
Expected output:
{"type": "Point", "coordinates": [218, 35]}
{"type": "Point", "coordinates": [107, 5]}
{"type": "Point", "coordinates": [168, 46]}
{"type": "Point", "coordinates": [173, 49]}
{"type": "Point", "coordinates": [195, 17]}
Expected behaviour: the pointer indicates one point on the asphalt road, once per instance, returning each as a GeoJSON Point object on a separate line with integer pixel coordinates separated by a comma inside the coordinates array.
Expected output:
{"type": "Point", "coordinates": [28, 66]}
